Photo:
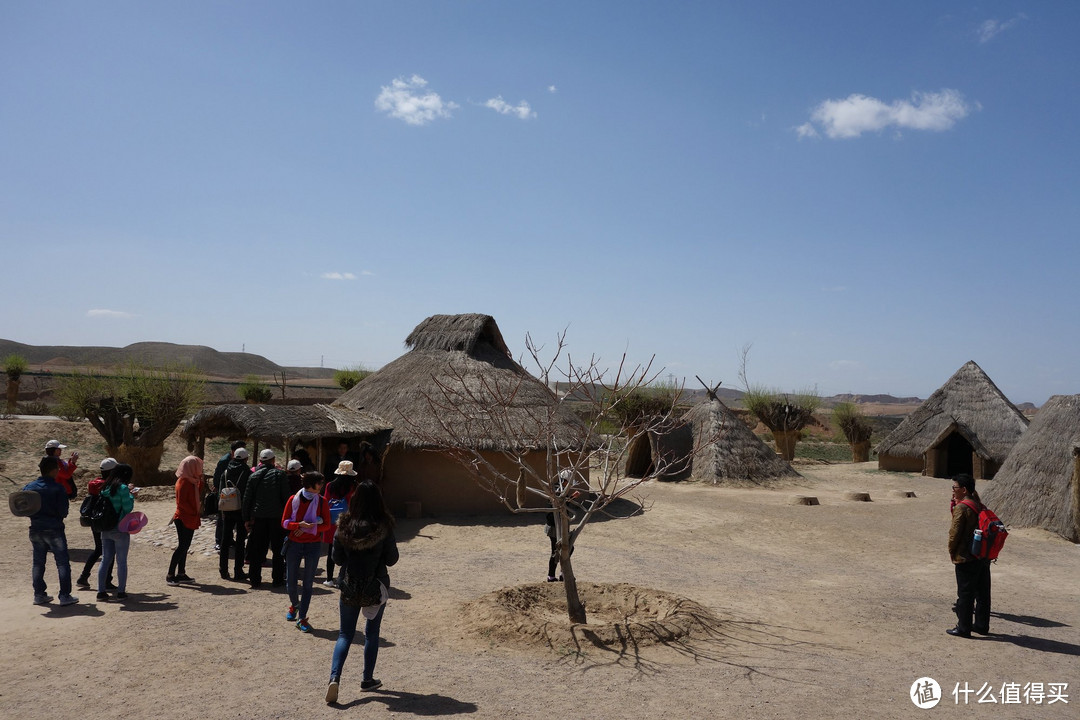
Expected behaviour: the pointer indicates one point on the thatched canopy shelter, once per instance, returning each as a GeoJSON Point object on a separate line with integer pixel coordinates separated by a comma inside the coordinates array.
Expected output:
{"type": "Point", "coordinates": [728, 452]}
{"type": "Point", "coordinates": [458, 386]}
{"type": "Point", "coordinates": [283, 426]}
{"type": "Point", "coordinates": [966, 425]}
{"type": "Point", "coordinates": [1039, 484]}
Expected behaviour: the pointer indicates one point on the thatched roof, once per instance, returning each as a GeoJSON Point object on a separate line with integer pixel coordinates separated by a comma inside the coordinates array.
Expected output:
{"type": "Point", "coordinates": [731, 453]}
{"type": "Point", "coordinates": [458, 386]}
{"type": "Point", "coordinates": [980, 411]}
{"type": "Point", "coordinates": [281, 424]}
{"type": "Point", "coordinates": [1035, 487]}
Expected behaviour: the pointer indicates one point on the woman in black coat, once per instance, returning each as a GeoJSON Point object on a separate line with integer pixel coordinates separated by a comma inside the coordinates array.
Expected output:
{"type": "Point", "coordinates": [364, 545]}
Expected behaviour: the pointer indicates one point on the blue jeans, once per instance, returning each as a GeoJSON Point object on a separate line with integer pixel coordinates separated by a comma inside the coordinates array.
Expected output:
{"type": "Point", "coordinates": [55, 542]}
{"type": "Point", "coordinates": [349, 617]}
{"type": "Point", "coordinates": [114, 544]}
{"type": "Point", "coordinates": [310, 553]}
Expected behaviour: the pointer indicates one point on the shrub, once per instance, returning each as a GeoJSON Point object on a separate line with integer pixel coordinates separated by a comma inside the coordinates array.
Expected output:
{"type": "Point", "coordinates": [254, 390]}
{"type": "Point", "coordinates": [849, 418]}
{"type": "Point", "coordinates": [348, 377]}
{"type": "Point", "coordinates": [35, 407]}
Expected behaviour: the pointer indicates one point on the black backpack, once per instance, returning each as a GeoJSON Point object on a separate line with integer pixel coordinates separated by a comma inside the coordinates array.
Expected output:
{"type": "Point", "coordinates": [85, 509]}
{"type": "Point", "coordinates": [102, 514]}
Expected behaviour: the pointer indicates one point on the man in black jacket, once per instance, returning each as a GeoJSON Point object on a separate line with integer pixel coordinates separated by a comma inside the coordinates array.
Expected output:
{"type": "Point", "coordinates": [263, 505]}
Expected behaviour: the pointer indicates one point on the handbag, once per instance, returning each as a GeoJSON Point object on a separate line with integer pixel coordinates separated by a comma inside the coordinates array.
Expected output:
{"type": "Point", "coordinates": [229, 499]}
{"type": "Point", "coordinates": [360, 592]}
{"type": "Point", "coordinates": [337, 506]}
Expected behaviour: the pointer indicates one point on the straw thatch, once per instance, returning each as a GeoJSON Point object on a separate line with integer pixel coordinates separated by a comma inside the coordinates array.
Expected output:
{"type": "Point", "coordinates": [968, 406]}
{"type": "Point", "coordinates": [1037, 486]}
{"type": "Point", "coordinates": [281, 425]}
{"type": "Point", "coordinates": [458, 387]}
{"type": "Point", "coordinates": [731, 454]}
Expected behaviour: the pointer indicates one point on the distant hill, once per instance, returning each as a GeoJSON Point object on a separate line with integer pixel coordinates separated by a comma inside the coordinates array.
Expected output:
{"type": "Point", "coordinates": [157, 354]}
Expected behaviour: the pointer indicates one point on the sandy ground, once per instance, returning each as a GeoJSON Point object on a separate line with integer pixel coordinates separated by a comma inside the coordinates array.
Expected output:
{"type": "Point", "coordinates": [822, 611]}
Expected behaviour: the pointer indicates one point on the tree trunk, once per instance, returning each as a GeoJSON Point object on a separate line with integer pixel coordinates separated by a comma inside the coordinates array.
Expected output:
{"type": "Point", "coordinates": [144, 462]}
{"type": "Point", "coordinates": [860, 451]}
{"type": "Point", "coordinates": [12, 395]}
{"type": "Point", "coordinates": [785, 443]}
{"type": "Point", "coordinates": [575, 609]}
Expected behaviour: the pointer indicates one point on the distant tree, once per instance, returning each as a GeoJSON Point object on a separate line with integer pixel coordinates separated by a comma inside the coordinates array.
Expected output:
{"type": "Point", "coordinates": [14, 367]}
{"type": "Point", "coordinates": [784, 414]}
{"type": "Point", "coordinates": [347, 377]}
{"type": "Point", "coordinates": [856, 428]}
{"type": "Point", "coordinates": [135, 410]}
{"type": "Point", "coordinates": [641, 405]}
{"type": "Point", "coordinates": [254, 390]}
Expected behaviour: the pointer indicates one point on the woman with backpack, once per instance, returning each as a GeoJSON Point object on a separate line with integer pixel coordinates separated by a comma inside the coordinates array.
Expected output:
{"type": "Point", "coordinates": [189, 489]}
{"type": "Point", "coordinates": [115, 542]}
{"type": "Point", "coordinates": [972, 573]}
{"type": "Point", "coordinates": [364, 546]}
{"type": "Point", "coordinates": [92, 490]}
{"type": "Point", "coordinates": [337, 494]}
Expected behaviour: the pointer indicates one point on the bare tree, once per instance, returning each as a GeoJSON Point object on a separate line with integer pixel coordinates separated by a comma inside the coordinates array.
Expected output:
{"type": "Point", "coordinates": [547, 464]}
{"type": "Point", "coordinates": [281, 382]}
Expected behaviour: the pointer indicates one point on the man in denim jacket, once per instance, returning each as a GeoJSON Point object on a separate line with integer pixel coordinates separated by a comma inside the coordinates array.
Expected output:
{"type": "Point", "coordinates": [47, 532]}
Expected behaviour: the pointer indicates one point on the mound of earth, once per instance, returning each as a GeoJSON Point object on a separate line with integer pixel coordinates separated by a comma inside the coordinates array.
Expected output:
{"type": "Point", "coordinates": [617, 614]}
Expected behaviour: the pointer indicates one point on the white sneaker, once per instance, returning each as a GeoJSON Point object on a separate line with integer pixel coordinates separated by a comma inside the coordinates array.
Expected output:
{"type": "Point", "coordinates": [68, 600]}
{"type": "Point", "coordinates": [330, 583]}
{"type": "Point", "coordinates": [331, 692]}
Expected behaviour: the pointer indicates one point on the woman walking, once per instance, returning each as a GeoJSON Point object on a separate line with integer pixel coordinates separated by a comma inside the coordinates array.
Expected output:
{"type": "Point", "coordinates": [364, 546]}
{"type": "Point", "coordinates": [189, 485]}
{"type": "Point", "coordinates": [337, 494]}
{"type": "Point", "coordinates": [305, 516]}
{"type": "Point", "coordinates": [115, 542]}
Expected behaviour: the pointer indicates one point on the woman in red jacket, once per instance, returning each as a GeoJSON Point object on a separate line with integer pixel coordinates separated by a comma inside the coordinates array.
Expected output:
{"type": "Point", "coordinates": [189, 486]}
{"type": "Point", "coordinates": [306, 516]}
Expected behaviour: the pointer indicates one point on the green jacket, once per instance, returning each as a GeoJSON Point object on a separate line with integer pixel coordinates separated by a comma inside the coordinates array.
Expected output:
{"type": "Point", "coordinates": [266, 494]}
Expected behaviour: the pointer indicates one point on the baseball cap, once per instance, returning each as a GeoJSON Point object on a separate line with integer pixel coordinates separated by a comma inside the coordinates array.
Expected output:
{"type": "Point", "coordinates": [54, 444]}
{"type": "Point", "coordinates": [241, 454]}
{"type": "Point", "coordinates": [266, 454]}
{"type": "Point", "coordinates": [294, 465]}
{"type": "Point", "coordinates": [108, 464]}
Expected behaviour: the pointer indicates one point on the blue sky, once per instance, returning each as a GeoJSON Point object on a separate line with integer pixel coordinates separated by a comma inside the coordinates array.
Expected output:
{"type": "Point", "coordinates": [869, 193]}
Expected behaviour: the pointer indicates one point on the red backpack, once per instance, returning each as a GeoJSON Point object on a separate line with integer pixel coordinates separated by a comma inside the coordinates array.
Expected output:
{"type": "Point", "coordinates": [990, 535]}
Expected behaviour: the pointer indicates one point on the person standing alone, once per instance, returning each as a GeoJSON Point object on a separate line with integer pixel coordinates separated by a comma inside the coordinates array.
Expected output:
{"type": "Point", "coordinates": [972, 573]}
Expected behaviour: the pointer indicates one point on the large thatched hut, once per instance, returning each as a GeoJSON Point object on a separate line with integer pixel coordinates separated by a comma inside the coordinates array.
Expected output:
{"type": "Point", "coordinates": [458, 387]}
{"type": "Point", "coordinates": [966, 425]}
{"type": "Point", "coordinates": [710, 444]}
{"type": "Point", "coordinates": [1039, 484]}
{"type": "Point", "coordinates": [317, 428]}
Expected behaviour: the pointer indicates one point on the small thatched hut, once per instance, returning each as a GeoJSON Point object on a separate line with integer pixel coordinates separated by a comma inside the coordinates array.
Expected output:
{"type": "Point", "coordinates": [728, 452]}
{"type": "Point", "coordinates": [285, 426]}
{"type": "Point", "coordinates": [458, 387]}
{"type": "Point", "coordinates": [967, 425]}
{"type": "Point", "coordinates": [1039, 484]}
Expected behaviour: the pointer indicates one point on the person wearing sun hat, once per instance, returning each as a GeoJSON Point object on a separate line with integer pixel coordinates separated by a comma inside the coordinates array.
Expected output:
{"type": "Point", "coordinates": [337, 494]}
{"type": "Point", "coordinates": [93, 488]}
{"type": "Point", "coordinates": [54, 449]}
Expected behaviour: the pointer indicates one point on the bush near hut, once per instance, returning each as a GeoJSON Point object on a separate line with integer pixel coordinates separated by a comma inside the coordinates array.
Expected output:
{"type": "Point", "coordinates": [784, 414]}
{"type": "Point", "coordinates": [347, 377]}
{"type": "Point", "coordinates": [253, 390]}
{"type": "Point", "coordinates": [856, 428]}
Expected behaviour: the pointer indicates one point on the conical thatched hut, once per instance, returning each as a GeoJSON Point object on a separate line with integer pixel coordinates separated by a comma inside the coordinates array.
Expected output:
{"type": "Point", "coordinates": [459, 387]}
{"type": "Point", "coordinates": [1039, 484]}
{"type": "Point", "coordinates": [967, 425]}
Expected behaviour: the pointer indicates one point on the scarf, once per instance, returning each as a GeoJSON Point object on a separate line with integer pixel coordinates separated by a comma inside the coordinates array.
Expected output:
{"type": "Point", "coordinates": [311, 515]}
{"type": "Point", "coordinates": [191, 469]}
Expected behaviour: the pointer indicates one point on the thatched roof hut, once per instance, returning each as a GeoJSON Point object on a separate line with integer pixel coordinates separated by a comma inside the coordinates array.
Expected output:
{"type": "Point", "coordinates": [1039, 484]}
{"type": "Point", "coordinates": [283, 426]}
{"type": "Point", "coordinates": [966, 425]}
{"type": "Point", "coordinates": [458, 386]}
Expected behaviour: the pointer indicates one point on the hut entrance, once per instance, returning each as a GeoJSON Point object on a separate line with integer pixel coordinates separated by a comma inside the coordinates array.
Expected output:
{"type": "Point", "coordinates": [639, 461]}
{"type": "Point", "coordinates": [954, 456]}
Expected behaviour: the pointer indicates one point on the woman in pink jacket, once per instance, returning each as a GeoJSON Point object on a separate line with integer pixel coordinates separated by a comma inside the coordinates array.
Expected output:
{"type": "Point", "coordinates": [189, 486]}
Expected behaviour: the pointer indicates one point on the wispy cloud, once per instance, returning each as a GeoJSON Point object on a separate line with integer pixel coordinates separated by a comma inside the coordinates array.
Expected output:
{"type": "Point", "coordinates": [857, 114]}
{"type": "Point", "coordinates": [411, 101]}
{"type": "Point", "coordinates": [103, 313]}
{"type": "Point", "coordinates": [521, 110]}
{"type": "Point", "coordinates": [552, 89]}
{"type": "Point", "coordinates": [339, 276]}
{"type": "Point", "coordinates": [990, 29]}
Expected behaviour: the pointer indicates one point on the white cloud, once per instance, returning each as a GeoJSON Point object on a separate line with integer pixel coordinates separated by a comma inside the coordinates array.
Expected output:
{"type": "Point", "coordinates": [552, 89]}
{"type": "Point", "coordinates": [856, 114]}
{"type": "Point", "coordinates": [989, 29]}
{"type": "Point", "coordinates": [521, 110]}
{"type": "Point", "coordinates": [338, 276]}
{"type": "Point", "coordinates": [102, 313]}
{"type": "Point", "coordinates": [409, 100]}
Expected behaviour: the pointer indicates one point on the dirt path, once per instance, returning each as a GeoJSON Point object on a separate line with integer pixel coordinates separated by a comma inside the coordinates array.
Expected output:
{"type": "Point", "coordinates": [824, 611]}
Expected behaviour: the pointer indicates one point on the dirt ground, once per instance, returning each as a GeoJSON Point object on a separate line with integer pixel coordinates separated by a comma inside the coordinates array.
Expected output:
{"type": "Point", "coordinates": [819, 611]}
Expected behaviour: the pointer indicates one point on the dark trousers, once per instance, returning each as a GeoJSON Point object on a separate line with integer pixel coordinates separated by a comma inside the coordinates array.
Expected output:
{"type": "Point", "coordinates": [94, 557]}
{"type": "Point", "coordinates": [553, 561]}
{"type": "Point", "coordinates": [266, 534]}
{"type": "Point", "coordinates": [973, 595]}
{"type": "Point", "coordinates": [178, 563]}
{"type": "Point", "coordinates": [233, 535]}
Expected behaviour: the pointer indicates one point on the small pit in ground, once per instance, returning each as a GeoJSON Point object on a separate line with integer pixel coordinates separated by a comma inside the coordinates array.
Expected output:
{"type": "Point", "coordinates": [617, 615]}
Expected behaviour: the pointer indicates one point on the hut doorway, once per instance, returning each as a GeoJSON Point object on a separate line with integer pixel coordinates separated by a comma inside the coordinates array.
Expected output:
{"type": "Point", "coordinates": [954, 455]}
{"type": "Point", "coordinates": [639, 460]}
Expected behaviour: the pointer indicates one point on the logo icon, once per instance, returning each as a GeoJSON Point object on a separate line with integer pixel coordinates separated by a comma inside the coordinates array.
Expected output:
{"type": "Point", "coordinates": [925, 693]}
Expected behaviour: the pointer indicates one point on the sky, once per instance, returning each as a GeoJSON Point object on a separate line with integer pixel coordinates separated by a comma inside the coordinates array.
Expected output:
{"type": "Point", "coordinates": [868, 195]}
